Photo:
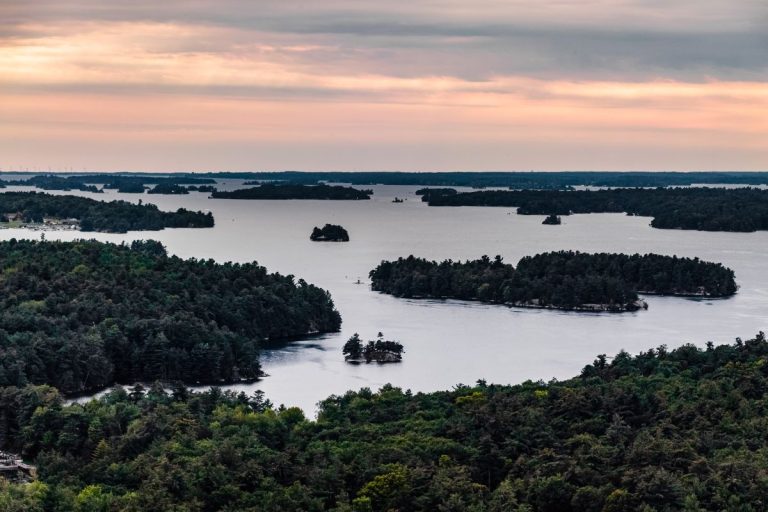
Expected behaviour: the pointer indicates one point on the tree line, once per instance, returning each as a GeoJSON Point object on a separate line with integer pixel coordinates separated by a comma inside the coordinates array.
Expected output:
{"type": "Point", "coordinates": [561, 280]}
{"type": "Point", "coordinates": [663, 431]}
{"type": "Point", "coordinates": [515, 180]}
{"type": "Point", "coordinates": [83, 315]}
{"type": "Point", "coordinates": [93, 215]}
{"type": "Point", "coordinates": [295, 191]}
{"type": "Point", "coordinates": [704, 209]}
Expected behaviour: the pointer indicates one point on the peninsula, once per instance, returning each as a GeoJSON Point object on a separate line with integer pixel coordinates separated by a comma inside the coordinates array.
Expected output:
{"type": "Point", "coordinates": [92, 215]}
{"type": "Point", "coordinates": [84, 315]}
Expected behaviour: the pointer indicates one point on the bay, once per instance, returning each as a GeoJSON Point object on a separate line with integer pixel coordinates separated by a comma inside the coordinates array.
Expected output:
{"type": "Point", "coordinates": [448, 342]}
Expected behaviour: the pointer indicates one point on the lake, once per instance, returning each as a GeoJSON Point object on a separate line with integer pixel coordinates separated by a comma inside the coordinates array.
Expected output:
{"type": "Point", "coordinates": [449, 342]}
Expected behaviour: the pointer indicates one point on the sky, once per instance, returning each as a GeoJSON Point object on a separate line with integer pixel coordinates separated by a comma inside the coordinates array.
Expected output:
{"type": "Point", "coordinates": [421, 85]}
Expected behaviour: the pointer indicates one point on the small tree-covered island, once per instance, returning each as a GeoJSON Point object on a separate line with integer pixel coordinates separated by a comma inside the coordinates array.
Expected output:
{"type": "Point", "coordinates": [296, 191]}
{"type": "Point", "coordinates": [558, 280]}
{"type": "Point", "coordinates": [85, 315]}
{"type": "Point", "coordinates": [703, 209]}
{"type": "Point", "coordinates": [552, 220]}
{"type": "Point", "coordinates": [329, 233]}
{"type": "Point", "coordinates": [92, 215]}
{"type": "Point", "coordinates": [379, 350]}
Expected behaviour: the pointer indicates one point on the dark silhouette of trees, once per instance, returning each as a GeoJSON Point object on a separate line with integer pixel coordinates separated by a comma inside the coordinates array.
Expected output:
{"type": "Point", "coordinates": [378, 350]}
{"type": "Point", "coordinates": [83, 315]}
{"type": "Point", "coordinates": [562, 280]}
{"type": "Point", "coordinates": [53, 182]}
{"type": "Point", "coordinates": [329, 233]}
{"type": "Point", "coordinates": [704, 209]}
{"type": "Point", "coordinates": [295, 191]}
{"type": "Point", "coordinates": [168, 188]}
{"type": "Point", "coordinates": [112, 217]}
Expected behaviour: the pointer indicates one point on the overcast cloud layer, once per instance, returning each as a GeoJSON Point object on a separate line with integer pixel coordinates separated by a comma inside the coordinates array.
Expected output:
{"type": "Point", "coordinates": [419, 84]}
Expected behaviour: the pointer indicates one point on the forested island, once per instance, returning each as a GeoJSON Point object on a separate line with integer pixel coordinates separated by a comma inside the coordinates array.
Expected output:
{"type": "Point", "coordinates": [427, 193]}
{"type": "Point", "coordinates": [705, 209]}
{"type": "Point", "coordinates": [379, 350]}
{"type": "Point", "coordinates": [168, 188]}
{"type": "Point", "coordinates": [666, 430]}
{"type": "Point", "coordinates": [83, 315]}
{"type": "Point", "coordinates": [510, 179]}
{"type": "Point", "coordinates": [126, 186]}
{"type": "Point", "coordinates": [93, 215]}
{"type": "Point", "coordinates": [559, 280]}
{"type": "Point", "coordinates": [329, 233]}
{"type": "Point", "coordinates": [295, 191]}
{"type": "Point", "coordinates": [552, 220]}
{"type": "Point", "coordinates": [54, 182]}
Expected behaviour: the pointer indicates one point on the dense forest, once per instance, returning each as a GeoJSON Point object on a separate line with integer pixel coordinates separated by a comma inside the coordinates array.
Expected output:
{"type": "Point", "coordinates": [561, 280]}
{"type": "Point", "coordinates": [329, 233]}
{"type": "Point", "coordinates": [515, 180]}
{"type": "Point", "coordinates": [295, 191]}
{"type": "Point", "coordinates": [706, 209]}
{"type": "Point", "coordinates": [93, 215]}
{"type": "Point", "coordinates": [663, 431]}
{"type": "Point", "coordinates": [83, 315]}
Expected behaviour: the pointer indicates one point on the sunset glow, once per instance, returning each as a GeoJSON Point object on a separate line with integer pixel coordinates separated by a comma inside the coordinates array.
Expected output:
{"type": "Point", "coordinates": [279, 88]}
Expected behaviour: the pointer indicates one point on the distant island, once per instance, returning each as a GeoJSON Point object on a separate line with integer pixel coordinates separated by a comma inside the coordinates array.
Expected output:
{"type": "Point", "coordinates": [557, 280]}
{"type": "Point", "coordinates": [329, 233]}
{"type": "Point", "coordinates": [201, 188]}
{"type": "Point", "coordinates": [294, 191]}
{"type": "Point", "coordinates": [428, 193]}
{"type": "Point", "coordinates": [510, 179]}
{"type": "Point", "coordinates": [126, 186]}
{"type": "Point", "coordinates": [552, 220]}
{"type": "Point", "coordinates": [84, 315]}
{"type": "Point", "coordinates": [54, 182]}
{"type": "Point", "coordinates": [92, 215]}
{"type": "Point", "coordinates": [378, 351]}
{"type": "Point", "coordinates": [168, 188]}
{"type": "Point", "coordinates": [705, 209]}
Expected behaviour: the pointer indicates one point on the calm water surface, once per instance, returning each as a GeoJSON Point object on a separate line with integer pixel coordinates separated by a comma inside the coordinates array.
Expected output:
{"type": "Point", "coordinates": [451, 342]}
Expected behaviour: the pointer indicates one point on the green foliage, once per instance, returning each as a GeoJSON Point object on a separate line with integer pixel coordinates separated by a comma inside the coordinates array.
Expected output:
{"type": "Point", "coordinates": [83, 315]}
{"type": "Point", "coordinates": [379, 350]}
{"type": "Point", "coordinates": [564, 280]}
{"type": "Point", "coordinates": [112, 217]}
{"type": "Point", "coordinates": [677, 430]}
{"type": "Point", "coordinates": [705, 209]}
